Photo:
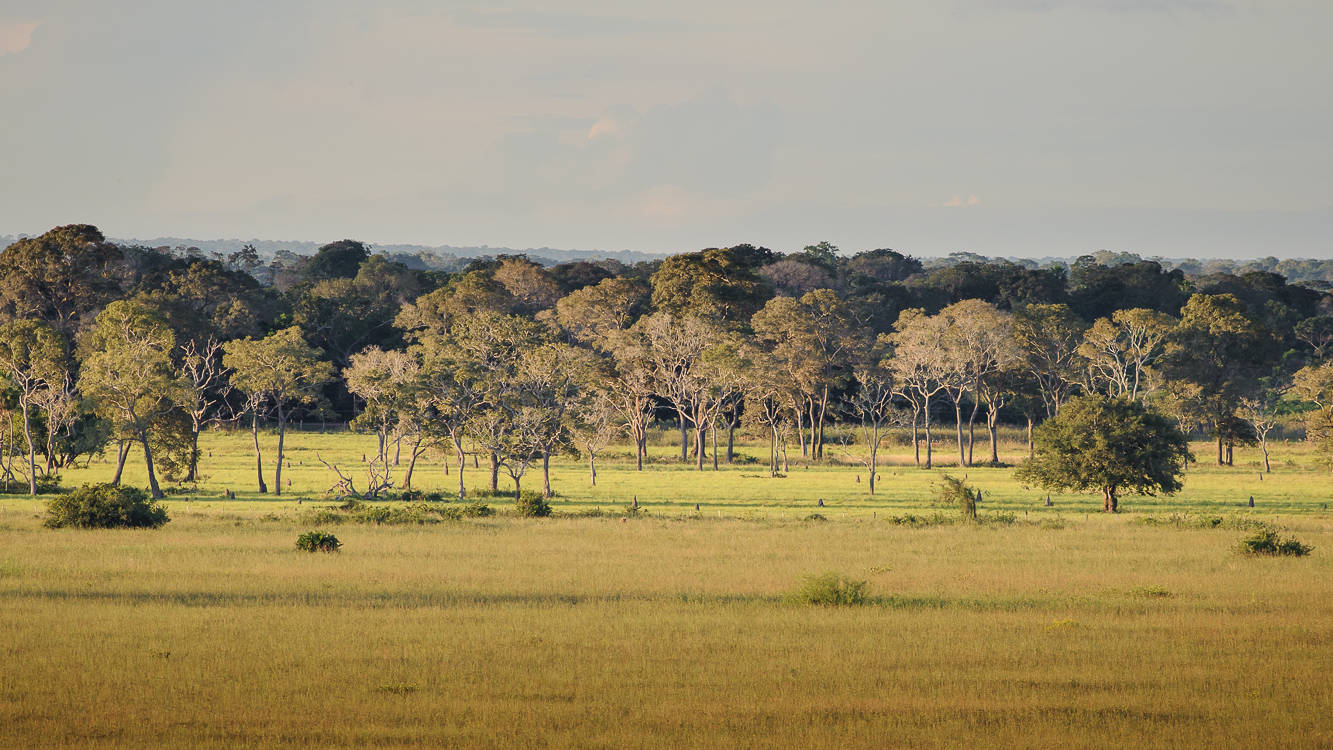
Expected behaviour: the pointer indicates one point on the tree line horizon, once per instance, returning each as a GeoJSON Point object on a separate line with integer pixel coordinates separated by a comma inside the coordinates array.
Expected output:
{"type": "Point", "coordinates": [107, 346]}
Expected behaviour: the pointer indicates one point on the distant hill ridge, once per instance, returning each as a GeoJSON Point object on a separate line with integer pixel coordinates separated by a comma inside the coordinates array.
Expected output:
{"type": "Point", "coordinates": [271, 248]}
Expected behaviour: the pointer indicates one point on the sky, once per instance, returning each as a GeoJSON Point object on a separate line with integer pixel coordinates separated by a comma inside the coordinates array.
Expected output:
{"type": "Point", "coordinates": [1004, 127]}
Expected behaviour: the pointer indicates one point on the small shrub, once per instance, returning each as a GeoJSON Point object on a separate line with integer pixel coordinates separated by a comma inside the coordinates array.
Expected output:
{"type": "Point", "coordinates": [954, 491]}
{"type": "Point", "coordinates": [1267, 542]}
{"type": "Point", "coordinates": [830, 590]}
{"type": "Point", "coordinates": [817, 517]}
{"type": "Point", "coordinates": [459, 512]}
{"type": "Point", "coordinates": [105, 506]}
{"type": "Point", "coordinates": [318, 541]}
{"type": "Point", "coordinates": [532, 505]}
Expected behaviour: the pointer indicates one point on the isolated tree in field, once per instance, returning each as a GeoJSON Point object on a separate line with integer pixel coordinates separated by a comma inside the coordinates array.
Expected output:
{"type": "Point", "coordinates": [1048, 339]}
{"type": "Point", "coordinates": [280, 370]}
{"type": "Point", "coordinates": [1119, 350]}
{"type": "Point", "coordinates": [32, 359]}
{"type": "Point", "coordinates": [594, 421]}
{"type": "Point", "coordinates": [385, 381]}
{"type": "Point", "coordinates": [1260, 409]}
{"type": "Point", "coordinates": [1110, 444]}
{"type": "Point", "coordinates": [128, 374]}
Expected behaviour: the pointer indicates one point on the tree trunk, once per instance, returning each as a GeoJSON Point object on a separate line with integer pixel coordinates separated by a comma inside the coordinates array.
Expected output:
{"type": "Point", "coordinates": [148, 462]}
{"type": "Point", "coordinates": [699, 447]}
{"type": "Point", "coordinates": [874, 451]}
{"type": "Point", "coordinates": [495, 473]}
{"type": "Point", "coordinates": [1110, 505]}
{"type": "Point", "coordinates": [192, 473]}
{"type": "Point", "coordinates": [958, 422]}
{"type": "Point", "coordinates": [1032, 449]}
{"type": "Point", "coordinates": [1219, 450]}
{"type": "Point", "coordinates": [411, 464]}
{"type": "Point", "coordinates": [546, 475]}
{"type": "Point", "coordinates": [684, 440]}
{"type": "Point", "coordinates": [1263, 445]}
{"type": "Point", "coordinates": [971, 430]}
{"type": "Point", "coordinates": [926, 422]}
{"type": "Point", "coordinates": [259, 457]}
{"type": "Point", "coordinates": [713, 432]}
{"type": "Point", "coordinates": [916, 435]}
{"type": "Point", "coordinates": [772, 452]}
{"type": "Point", "coordinates": [992, 417]}
{"type": "Point", "coordinates": [32, 451]}
{"type": "Point", "coordinates": [731, 441]}
{"type": "Point", "coordinates": [592, 468]}
{"type": "Point", "coordinates": [641, 448]}
{"type": "Point", "coordinates": [518, 493]}
{"type": "Point", "coordinates": [122, 453]}
{"type": "Point", "coordinates": [282, 433]}
{"type": "Point", "coordinates": [462, 463]}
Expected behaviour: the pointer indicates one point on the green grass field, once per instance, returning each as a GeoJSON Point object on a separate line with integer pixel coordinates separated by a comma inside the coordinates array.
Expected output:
{"type": "Point", "coordinates": [1063, 627]}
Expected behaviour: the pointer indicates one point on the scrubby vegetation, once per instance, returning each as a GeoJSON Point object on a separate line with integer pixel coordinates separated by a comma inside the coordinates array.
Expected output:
{"type": "Point", "coordinates": [318, 541]}
{"type": "Point", "coordinates": [830, 590]}
{"type": "Point", "coordinates": [105, 506]}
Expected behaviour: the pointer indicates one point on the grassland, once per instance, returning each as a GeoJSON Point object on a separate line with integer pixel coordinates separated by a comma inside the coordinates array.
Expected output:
{"type": "Point", "coordinates": [1062, 627]}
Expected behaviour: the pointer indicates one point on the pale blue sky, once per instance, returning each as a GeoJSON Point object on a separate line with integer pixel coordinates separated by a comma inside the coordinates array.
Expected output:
{"type": "Point", "coordinates": [1004, 127]}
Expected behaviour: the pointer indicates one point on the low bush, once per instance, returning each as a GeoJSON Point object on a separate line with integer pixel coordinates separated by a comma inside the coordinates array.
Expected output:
{"type": "Point", "coordinates": [1266, 542]}
{"type": "Point", "coordinates": [1195, 521]}
{"type": "Point", "coordinates": [105, 506]}
{"type": "Point", "coordinates": [532, 505]}
{"type": "Point", "coordinates": [318, 541]}
{"type": "Point", "coordinates": [830, 590]}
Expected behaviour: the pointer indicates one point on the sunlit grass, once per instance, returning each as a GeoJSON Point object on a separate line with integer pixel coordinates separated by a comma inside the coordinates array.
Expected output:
{"type": "Point", "coordinates": [1064, 628]}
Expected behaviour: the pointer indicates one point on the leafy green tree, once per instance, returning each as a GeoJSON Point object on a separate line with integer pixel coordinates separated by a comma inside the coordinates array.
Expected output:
{"type": "Point", "coordinates": [32, 359]}
{"type": "Point", "coordinates": [1048, 339]}
{"type": "Point", "coordinates": [336, 260]}
{"type": "Point", "coordinates": [1222, 350]}
{"type": "Point", "coordinates": [127, 372]}
{"type": "Point", "coordinates": [1107, 443]}
{"type": "Point", "coordinates": [718, 283]}
{"type": "Point", "coordinates": [60, 277]}
{"type": "Point", "coordinates": [1314, 385]}
{"type": "Point", "coordinates": [280, 370]}
{"type": "Point", "coordinates": [813, 339]}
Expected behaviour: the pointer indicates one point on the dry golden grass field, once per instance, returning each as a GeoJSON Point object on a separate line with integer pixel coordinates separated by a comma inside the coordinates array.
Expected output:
{"type": "Point", "coordinates": [1040, 627]}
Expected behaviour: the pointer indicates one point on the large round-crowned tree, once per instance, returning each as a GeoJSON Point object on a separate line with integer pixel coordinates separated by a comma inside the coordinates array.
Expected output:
{"type": "Point", "coordinates": [1109, 444]}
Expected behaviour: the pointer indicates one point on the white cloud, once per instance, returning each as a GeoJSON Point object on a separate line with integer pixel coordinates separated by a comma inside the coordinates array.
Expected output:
{"type": "Point", "coordinates": [15, 36]}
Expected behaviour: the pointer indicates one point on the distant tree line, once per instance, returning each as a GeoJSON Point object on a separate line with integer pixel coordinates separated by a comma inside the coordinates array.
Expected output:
{"type": "Point", "coordinates": [109, 347]}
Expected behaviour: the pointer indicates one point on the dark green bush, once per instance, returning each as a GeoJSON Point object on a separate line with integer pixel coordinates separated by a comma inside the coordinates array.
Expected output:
{"type": "Point", "coordinates": [1267, 542]}
{"type": "Point", "coordinates": [830, 590]}
{"type": "Point", "coordinates": [318, 541]}
{"type": "Point", "coordinates": [105, 506]}
{"type": "Point", "coordinates": [355, 511]}
{"type": "Point", "coordinates": [532, 505]}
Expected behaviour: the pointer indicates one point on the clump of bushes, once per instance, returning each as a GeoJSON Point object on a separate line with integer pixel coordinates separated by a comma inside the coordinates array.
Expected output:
{"type": "Point", "coordinates": [830, 590]}
{"type": "Point", "coordinates": [532, 505]}
{"type": "Point", "coordinates": [1266, 542]}
{"type": "Point", "coordinates": [318, 541]}
{"type": "Point", "coordinates": [105, 506]}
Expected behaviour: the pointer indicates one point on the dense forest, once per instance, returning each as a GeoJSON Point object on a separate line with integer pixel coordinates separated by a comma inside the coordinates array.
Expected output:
{"type": "Point", "coordinates": [111, 347]}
